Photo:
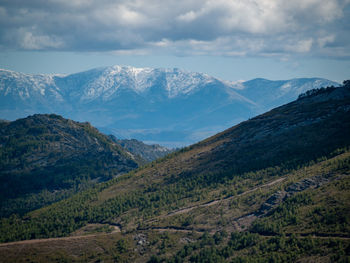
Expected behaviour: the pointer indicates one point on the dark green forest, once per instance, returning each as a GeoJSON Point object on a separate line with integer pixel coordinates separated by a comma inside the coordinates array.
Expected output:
{"type": "Point", "coordinates": [45, 158]}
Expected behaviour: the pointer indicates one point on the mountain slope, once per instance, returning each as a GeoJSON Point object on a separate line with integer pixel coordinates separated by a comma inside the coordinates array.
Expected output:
{"type": "Point", "coordinates": [269, 94]}
{"type": "Point", "coordinates": [241, 167]}
{"type": "Point", "coordinates": [272, 189]}
{"type": "Point", "coordinates": [309, 224]}
{"type": "Point", "coordinates": [167, 106]}
{"type": "Point", "coordinates": [147, 152]}
{"type": "Point", "coordinates": [46, 157]}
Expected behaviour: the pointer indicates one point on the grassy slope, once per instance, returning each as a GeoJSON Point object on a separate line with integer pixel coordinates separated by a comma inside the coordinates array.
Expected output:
{"type": "Point", "coordinates": [308, 233]}
{"type": "Point", "coordinates": [227, 169]}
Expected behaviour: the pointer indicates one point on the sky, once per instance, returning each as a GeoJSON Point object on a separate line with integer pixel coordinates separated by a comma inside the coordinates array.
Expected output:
{"type": "Point", "coordinates": [228, 39]}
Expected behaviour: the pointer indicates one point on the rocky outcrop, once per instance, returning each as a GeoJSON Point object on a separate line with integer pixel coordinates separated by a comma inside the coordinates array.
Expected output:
{"type": "Point", "coordinates": [272, 202]}
{"type": "Point", "coordinates": [312, 182]}
{"type": "Point", "coordinates": [278, 197]}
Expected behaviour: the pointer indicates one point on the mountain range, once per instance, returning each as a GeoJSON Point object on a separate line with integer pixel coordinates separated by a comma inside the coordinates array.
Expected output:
{"type": "Point", "coordinates": [170, 107]}
{"type": "Point", "coordinates": [274, 188]}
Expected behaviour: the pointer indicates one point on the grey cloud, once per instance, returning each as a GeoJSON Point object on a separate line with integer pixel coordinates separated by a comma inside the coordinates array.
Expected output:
{"type": "Point", "coordinates": [183, 27]}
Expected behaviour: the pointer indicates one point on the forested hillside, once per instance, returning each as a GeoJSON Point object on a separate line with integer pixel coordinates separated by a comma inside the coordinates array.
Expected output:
{"type": "Point", "coordinates": [44, 158]}
{"type": "Point", "coordinates": [272, 189]}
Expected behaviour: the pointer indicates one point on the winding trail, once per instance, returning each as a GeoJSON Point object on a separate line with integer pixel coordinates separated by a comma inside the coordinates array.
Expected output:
{"type": "Point", "coordinates": [116, 229]}
{"type": "Point", "coordinates": [214, 202]}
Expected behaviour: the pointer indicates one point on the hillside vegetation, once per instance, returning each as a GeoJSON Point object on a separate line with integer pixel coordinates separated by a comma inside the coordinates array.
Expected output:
{"type": "Point", "coordinates": [272, 189]}
{"type": "Point", "coordinates": [44, 158]}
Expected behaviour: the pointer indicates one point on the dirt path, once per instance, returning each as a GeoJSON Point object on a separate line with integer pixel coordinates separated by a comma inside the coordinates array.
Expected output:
{"type": "Point", "coordinates": [116, 229]}
{"type": "Point", "coordinates": [288, 235]}
{"type": "Point", "coordinates": [174, 229]}
{"type": "Point", "coordinates": [316, 236]}
{"type": "Point", "coordinates": [187, 209]}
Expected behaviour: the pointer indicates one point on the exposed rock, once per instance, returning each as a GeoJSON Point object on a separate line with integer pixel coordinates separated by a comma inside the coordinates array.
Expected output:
{"type": "Point", "coordinates": [277, 198]}
{"type": "Point", "coordinates": [186, 240]}
{"type": "Point", "coordinates": [245, 221]}
{"type": "Point", "coordinates": [141, 242]}
{"type": "Point", "coordinates": [312, 182]}
{"type": "Point", "coordinates": [141, 239]}
{"type": "Point", "coordinates": [273, 201]}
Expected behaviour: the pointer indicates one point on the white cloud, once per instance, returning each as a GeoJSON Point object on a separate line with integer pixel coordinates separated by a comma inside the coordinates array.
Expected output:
{"type": "Point", "coordinates": [120, 15]}
{"type": "Point", "coordinates": [183, 27]}
{"type": "Point", "coordinates": [302, 46]}
{"type": "Point", "coordinates": [188, 17]}
{"type": "Point", "coordinates": [320, 11]}
{"type": "Point", "coordinates": [249, 16]}
{"type": "Point", "coordinates": [162, 43]}
{"type": "Point", "coordinates": [323, 41]}
{"type": "Point", "coordinates": [34, 42]}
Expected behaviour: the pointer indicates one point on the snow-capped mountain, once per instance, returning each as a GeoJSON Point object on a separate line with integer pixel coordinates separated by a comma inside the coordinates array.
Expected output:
{"type": "Point", "coordinates": [167, 106]}
{"type": "Point", "coordinates": [269, 94]}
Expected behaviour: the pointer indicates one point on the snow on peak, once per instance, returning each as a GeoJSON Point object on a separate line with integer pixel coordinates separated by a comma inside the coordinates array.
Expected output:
{"type": "Point", "coordinates": [237, 85]}
{"type": "Point", "coordinates": [183, 82]}
{"type": "Point", "coordinates": [26, 86]}
{"type": "Point", "coordinates": [111, 79]}
{"type": "Point", "coordinates": [139, 80]}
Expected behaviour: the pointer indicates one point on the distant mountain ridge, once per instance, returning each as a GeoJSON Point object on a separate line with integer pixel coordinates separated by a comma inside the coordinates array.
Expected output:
{"type": "Point", "coordinates": [147, 152]}
{"type": "Point", "coordinates": [166, 106]}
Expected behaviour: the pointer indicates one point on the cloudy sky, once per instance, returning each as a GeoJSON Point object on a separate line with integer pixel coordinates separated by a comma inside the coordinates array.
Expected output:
{"type": "Point", "coordinates": [230, 39]}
